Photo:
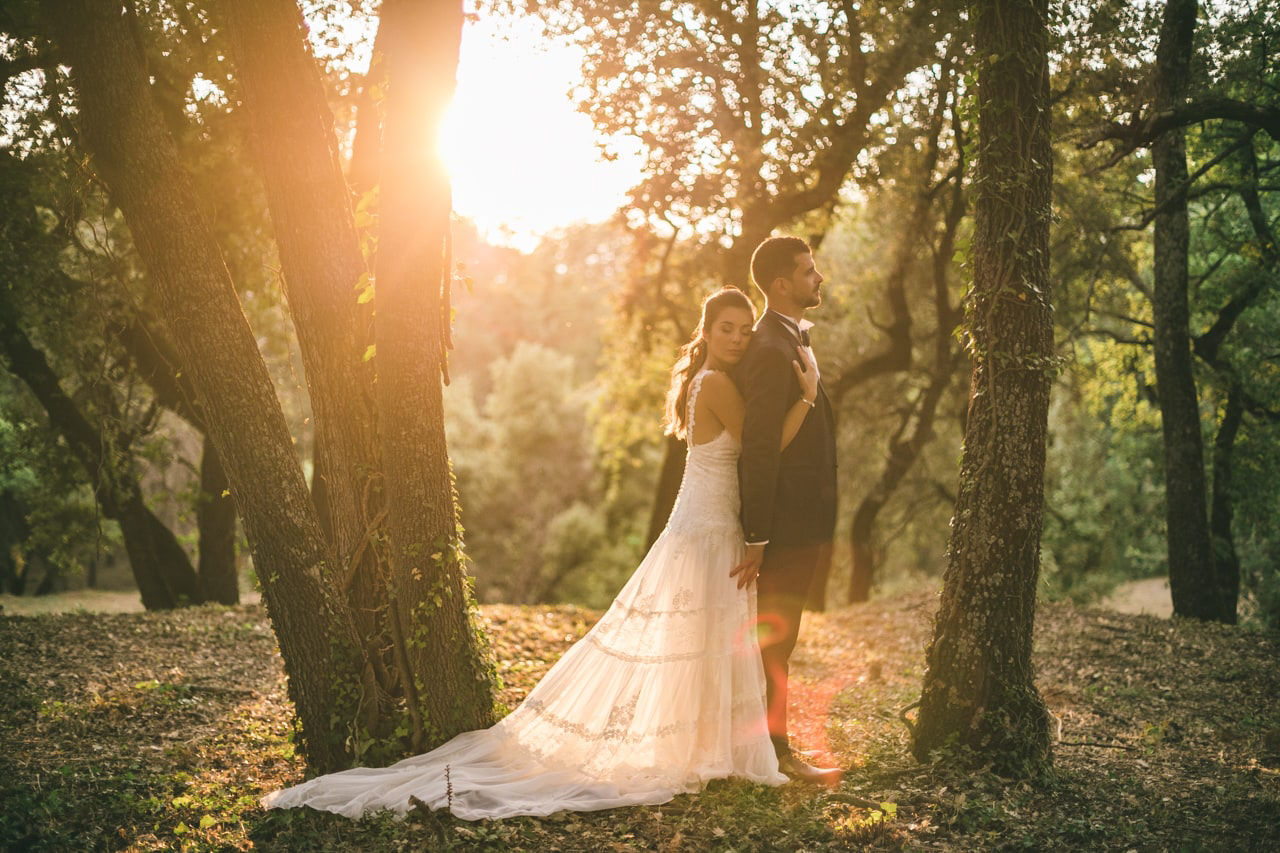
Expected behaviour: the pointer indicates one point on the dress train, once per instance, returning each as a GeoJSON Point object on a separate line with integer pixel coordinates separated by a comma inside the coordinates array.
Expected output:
{"type": "Point", "coordinates": [663, 694]}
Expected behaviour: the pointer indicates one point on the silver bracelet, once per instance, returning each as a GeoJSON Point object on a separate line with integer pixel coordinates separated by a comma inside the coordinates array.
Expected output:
{"type": "Point", "coordinates": [809, 403]}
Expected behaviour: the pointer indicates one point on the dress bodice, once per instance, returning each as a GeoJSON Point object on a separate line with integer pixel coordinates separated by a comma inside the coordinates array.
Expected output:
{"type": "Point", "coordinates": [708, 496]}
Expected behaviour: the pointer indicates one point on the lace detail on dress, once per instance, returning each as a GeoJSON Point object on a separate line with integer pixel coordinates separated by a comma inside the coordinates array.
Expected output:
{"type": "Point", "coordinates": [707, 503]}
{"type": "Point", "coordinates": [630, 658]}
{"type": "Point", "coordinates": [618, 732]}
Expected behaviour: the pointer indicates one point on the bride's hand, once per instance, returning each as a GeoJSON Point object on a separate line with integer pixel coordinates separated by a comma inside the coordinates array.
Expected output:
{"type": "Point", "coordinates": [807, 372]}
{"type": "Point", "coordinates": [749, 569]}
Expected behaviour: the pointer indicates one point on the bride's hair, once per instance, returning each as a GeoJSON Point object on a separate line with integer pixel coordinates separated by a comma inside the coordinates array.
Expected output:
{"type": "Point", "coordinates": [694, 354]}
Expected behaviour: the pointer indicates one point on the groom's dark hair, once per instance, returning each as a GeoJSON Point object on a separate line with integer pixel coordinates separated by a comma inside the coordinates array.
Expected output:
{"type": "Point", "coordinates": [774, 257]}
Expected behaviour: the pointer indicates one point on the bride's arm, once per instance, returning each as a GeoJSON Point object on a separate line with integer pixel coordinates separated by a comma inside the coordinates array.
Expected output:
{"type": "Point", "coordinates": [807, 374]}
{"type": "Point", "coordinates": [725, 402]}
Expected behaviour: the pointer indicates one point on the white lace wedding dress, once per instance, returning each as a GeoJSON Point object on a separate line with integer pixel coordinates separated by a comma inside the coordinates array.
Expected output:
{"type": "Point", "coordinates": [664, 693]}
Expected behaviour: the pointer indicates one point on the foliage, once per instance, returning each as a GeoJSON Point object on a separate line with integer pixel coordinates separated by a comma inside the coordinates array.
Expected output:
{"type": "Point", "coordinates": [50, 518]}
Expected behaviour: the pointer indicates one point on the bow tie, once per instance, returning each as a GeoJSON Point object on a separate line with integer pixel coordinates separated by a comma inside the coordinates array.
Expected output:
{"type": "Point", "coordinates": [801, 329]}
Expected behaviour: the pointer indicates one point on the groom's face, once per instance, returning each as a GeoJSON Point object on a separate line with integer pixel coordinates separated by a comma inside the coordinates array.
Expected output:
{"type": "Point", "coordinates": [805, 282]}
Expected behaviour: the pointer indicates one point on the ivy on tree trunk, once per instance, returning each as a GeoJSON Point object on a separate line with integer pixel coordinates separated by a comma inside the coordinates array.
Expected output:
{"type": "Point", "coordinates": [431, 595]}
{"type": "Point", "coordinates": [978, 690]}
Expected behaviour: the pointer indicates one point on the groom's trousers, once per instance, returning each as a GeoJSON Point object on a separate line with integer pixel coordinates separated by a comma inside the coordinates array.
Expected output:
{"type": "Point", "coordinates": [782, 588]}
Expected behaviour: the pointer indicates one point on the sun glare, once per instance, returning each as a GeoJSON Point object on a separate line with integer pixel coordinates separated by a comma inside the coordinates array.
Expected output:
{"type": "Point", "coordinates": [524, 162]}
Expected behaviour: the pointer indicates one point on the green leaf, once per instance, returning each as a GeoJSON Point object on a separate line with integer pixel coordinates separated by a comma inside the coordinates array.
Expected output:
{"type": "Point", "coordinates": [370, 351]}
{"type": "Point", "coordinates": [207, 821]}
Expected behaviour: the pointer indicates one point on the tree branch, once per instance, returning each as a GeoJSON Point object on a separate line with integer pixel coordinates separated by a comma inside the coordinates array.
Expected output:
{"type": "Point", "coordinates": [1141, 132]}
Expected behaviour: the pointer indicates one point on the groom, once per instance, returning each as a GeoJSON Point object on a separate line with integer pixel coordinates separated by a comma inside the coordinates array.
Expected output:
{"type": "Point", "coordinates": [788, 496]}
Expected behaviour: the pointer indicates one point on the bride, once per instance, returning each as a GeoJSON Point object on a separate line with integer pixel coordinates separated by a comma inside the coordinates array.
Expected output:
{"type": "Point", "coordinates": [667, 690]}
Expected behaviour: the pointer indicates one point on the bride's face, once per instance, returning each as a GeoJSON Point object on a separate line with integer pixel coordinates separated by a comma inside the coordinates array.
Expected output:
{"type": "Point", "coordinates": [727, 337]}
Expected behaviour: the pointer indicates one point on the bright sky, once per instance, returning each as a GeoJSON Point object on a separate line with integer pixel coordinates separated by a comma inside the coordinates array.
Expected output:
{"type": "Point", "coordinates": [524, 161]}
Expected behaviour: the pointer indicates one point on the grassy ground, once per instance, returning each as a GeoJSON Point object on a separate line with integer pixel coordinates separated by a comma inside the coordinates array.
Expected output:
{"type": "Point", "coordinates": [160, 731]}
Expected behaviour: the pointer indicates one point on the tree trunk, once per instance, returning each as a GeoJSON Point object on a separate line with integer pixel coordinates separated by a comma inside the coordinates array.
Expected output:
{"type": "Point", "coordinates": [216, 524]}
{"type": "Point", "coordinates": [905, 445]}
{"type": "Point", "coordinates": [296, 152]}
{"type": "Point", "coordinates": [160, 567]}
{"type": "Point", "coordinates": [138, 161]}
{"type": "Point", "coordinates": [669, 477]}
{"type": "Point", "coordinates": [452, 689]}
{"type": "Point", "coordinates": [1187, 521]}
{"type": "Point", "coordinates": [362, 173]}
{"type": "Point", "coordinates": [1225, 561]}
{"type": "Point", "coordinates": [978, 690]}
{"type": "Point", "coordinates": [13, 533]}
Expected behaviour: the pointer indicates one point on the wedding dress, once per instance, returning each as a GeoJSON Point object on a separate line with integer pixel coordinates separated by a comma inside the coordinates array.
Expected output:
{"type": "Point", "coordinates": [664, 693]}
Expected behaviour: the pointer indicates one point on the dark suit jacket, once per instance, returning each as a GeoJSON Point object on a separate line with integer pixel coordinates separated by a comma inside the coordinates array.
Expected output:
{"type": "Point", "coordinates": [788, 498]}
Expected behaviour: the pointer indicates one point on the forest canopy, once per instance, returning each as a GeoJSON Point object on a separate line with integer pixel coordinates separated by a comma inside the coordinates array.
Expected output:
{"type": "Point", "coordinates": [743, 125]}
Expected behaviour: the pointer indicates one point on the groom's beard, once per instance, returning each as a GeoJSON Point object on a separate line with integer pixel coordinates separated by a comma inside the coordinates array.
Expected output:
{"type": "Point", "coordinates": [814, 300]}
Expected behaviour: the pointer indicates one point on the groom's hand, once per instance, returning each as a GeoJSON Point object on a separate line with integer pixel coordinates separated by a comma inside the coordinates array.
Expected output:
{"type": "Point", "coordinates": [749, 569]}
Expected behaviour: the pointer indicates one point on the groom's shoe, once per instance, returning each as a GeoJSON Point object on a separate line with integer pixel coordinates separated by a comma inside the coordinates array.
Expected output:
{"type": "Point", "coordinates": [801, 771]}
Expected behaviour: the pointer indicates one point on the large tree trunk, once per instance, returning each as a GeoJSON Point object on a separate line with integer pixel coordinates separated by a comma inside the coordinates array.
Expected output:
{"type": "Point", "coordinates": [216, 525]}
{"type": "Point", "coordinates": [160, 566]}
{"type": "Point", "coordinates": [978, 689]}
{"type": "Point", "coordinates": [431, 595]}
{"type": "Point", "coordinates": [138, 161]}
{"type": "Point", "coordinates": [296, 151]}
{"type": "Point", "coordinates": [1187, 531]}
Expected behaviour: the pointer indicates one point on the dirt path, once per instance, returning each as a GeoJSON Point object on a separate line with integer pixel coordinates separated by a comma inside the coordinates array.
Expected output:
{"type": "Point", "coordinates": [1149, 596]}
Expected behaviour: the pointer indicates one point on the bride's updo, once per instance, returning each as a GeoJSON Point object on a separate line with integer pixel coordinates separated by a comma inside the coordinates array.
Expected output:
{"type": "Point", "coordinates": [693, 356]}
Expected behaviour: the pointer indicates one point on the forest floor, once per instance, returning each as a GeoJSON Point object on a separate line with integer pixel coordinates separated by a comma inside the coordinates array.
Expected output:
{"type": "Point", "coordinates": [160, 731]}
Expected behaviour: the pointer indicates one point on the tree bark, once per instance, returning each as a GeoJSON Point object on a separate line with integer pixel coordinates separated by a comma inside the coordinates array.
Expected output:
{"type": "Point", "coordinates": [138, 161]}
{"type": "Point", "coordinates": [160, 567]}
{"type": "Point", "coordinates": [296, 152]}
{"type": "Point", "coordinates": [1187, 522]}
{"type": "Point", "coordinates": [216, 525]}
{"type": "Point", "coordinates": [431, 595]}
{"type": "Point", "coordinates": [156, 360]}
{"type": "Point", "coordinates": [1222, 511]}
{"type": "Point", "coordinates": [978, 689]}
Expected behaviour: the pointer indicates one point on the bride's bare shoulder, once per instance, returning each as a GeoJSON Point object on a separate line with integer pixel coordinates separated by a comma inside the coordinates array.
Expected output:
{"type": "Point", "coordinates": [718, 387]}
